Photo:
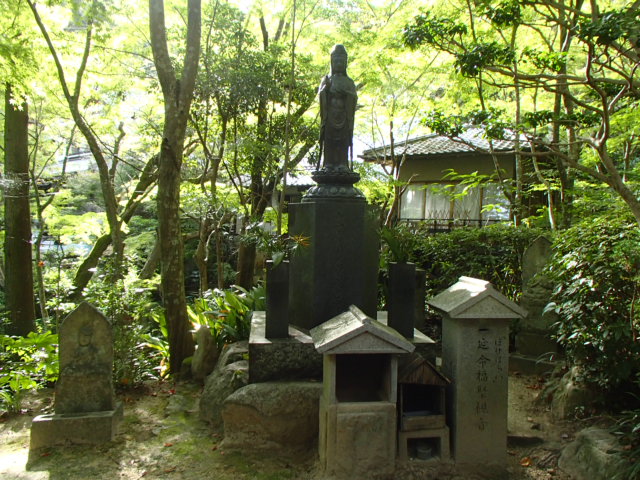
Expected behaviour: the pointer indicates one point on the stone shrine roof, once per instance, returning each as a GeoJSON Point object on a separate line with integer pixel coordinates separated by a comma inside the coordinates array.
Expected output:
{"type": "Point", "coordinates": [354, 332]}
{"type": "Point", "coordinates": [475, 298]}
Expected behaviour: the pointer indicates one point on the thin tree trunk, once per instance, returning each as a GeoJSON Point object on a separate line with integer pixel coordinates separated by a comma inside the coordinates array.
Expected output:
{"type": "Point", "coordinates": [178, 94]}
{"type": "Point", "coordinates": [17, 244]}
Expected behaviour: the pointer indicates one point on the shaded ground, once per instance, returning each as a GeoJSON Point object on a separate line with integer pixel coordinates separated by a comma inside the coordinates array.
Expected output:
{"type": "Point", "coordinates": [162, 438]}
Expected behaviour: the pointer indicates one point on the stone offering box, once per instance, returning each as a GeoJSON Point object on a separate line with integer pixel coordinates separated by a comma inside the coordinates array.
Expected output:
{"type": "Point", "coordinates": [423, 432]}
{"type": "Point", "coordinates": [358, 403]}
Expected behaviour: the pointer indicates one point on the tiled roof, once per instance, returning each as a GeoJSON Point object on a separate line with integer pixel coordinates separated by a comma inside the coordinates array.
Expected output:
{"type": "Point", "coordinates": [434, 144]}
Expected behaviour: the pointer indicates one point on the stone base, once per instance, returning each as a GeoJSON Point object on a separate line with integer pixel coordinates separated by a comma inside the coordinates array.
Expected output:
{"type": "Point", "coordinates": [292, 358]}
{"type": "Point", "coordinates": [279, 417]}
{"type": "Point", "coordinates": [62, 429]}
{"type": "Point", "coordinates": [531, 365]}
{"type": "Point", "coordinates": [357, 439]}
{"type": "Point", "coordinates": [441, 434]}
{"type": "Point", "coordinates": [295, 357]}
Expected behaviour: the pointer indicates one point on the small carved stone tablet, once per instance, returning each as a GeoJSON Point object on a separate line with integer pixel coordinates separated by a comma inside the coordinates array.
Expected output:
{"type": "Point", "coordinates": [86, 362]}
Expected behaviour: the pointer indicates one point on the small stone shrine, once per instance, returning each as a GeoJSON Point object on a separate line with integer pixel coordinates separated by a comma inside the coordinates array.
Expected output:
{"type": "Point", "coordinates": [358, 403]}
{"type": "Point", "coordinates": [423, 431]}
{"type": "Point", "coordinates": [85, 406]}
{"type": "Point", "coordinates": [475, 349]}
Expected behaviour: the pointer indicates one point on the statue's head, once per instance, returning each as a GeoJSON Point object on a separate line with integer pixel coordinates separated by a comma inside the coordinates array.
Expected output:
{"type": "Point", "coordinates": [338, 59]}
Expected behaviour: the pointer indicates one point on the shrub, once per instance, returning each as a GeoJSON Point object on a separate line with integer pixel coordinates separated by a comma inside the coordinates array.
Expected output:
{"type": "Point", "coordinates": [492, 253]}
{"type": "Point", "coordinates": [26, 363]}
{"type": "Point", "coordinates": [126, 301]}
{"type": "Point", "coordinates": [595, 268]}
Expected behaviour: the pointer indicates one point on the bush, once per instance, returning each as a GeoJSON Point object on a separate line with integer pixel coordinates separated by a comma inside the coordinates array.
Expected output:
{"type": "Point", "coordinates": [492, 253]}
{"type": "Point", "coordinates": [26, 363]}
{"type": "Point", "coordinates": [126, 301]}
{"type": "Point", "coordinates": [227, 312]}
{"type": "Point", "coordinates": [595, 268]}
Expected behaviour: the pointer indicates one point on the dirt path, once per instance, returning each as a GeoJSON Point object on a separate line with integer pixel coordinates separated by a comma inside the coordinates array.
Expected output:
{"type": "Point", "coordinates": [162, 438]}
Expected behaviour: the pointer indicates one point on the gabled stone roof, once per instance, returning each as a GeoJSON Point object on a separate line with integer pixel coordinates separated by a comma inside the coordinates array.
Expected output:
{"type": "Point", "coordinates": [354, 332]}
{"type": "Point", "coordinates": [475, 298]}
{"type": "Point", "coordinates": [435, 145]}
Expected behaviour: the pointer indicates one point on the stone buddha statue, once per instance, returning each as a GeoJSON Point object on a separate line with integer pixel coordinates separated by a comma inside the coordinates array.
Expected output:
{"type": "Point", "coordinates": [338, 99]}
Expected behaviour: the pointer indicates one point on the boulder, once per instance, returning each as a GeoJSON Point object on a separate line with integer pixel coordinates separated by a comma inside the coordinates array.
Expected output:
{"type": "Point", "coordinates": [593, 455]}
{"type": "Point", "coordinates": [571, 395]}
{"type": "Point", "coordinates": [279, 417]}
{"type": "Point", "coordinates": [206, 354]}
{"type": "Point", "coordinates": [230, 374]}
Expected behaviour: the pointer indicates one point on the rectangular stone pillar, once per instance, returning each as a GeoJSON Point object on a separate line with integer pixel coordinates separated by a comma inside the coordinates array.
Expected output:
{"type": "Point", "coordinates": [339, 267]}
{"type": "Point", "coordinates": [475, 348]}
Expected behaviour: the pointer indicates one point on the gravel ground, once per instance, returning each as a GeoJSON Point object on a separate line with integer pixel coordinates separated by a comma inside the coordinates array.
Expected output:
{"type": "Point", "coordinates": [162, 438]}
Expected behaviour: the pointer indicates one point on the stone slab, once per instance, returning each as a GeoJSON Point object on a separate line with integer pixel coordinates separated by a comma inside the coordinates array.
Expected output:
{"type": "Point", "coordinates": [594, 455]}
{"type": "Point", "coordinates": [82, 428]}
{"type": "Point", "coordinates": [475, 358]}
{"type": "Point", "coordinates": [85, 384]}
{"type": "Point", "coordinates": [292, 358]}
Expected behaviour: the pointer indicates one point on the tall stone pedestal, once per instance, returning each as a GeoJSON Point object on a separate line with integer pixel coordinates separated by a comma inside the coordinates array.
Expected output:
{"type": "Point", "coordinates": [475, 349]}
{"type": "Point", "coordinates": [339, 267]}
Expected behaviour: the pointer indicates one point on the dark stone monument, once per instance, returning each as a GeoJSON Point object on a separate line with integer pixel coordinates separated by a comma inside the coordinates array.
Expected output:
{"type": "Point", "coordinates": [85, 406]}
{"type": "Point", "coordinates": [339, 267]}
{"type": "Point", "coordinates": [277, 318]}
{"type": "Point", "coordinates": [402, 297]}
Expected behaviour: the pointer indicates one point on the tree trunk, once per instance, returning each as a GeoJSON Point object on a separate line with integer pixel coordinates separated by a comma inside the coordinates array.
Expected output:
{"type": "Point", "coordinates": [178, 94]}
{"type": "Point", "coordinates": [17, 244]}
{"type": "Point", "coordinates": [246, 264]}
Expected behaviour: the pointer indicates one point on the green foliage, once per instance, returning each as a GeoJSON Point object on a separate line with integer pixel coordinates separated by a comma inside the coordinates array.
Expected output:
{"type": "Point", "coordinates": [481, 55]}
{"type": "Point", "coordinates": [157, 342]}
{"type": "Point", "coordinates": [628, 430]}
{"type": "Point", "coordinates": [126, 302]}
{"type": "Point", "coordinates": [595, 268]}
{"type": "Point", "coordinates": [26, 363]}
{"type": "Point", "coordinates": [611, 26]}
{"type": "Point", "coordinates": [227, 312]}
{"type": "Point", "coordinates": [491, 253]}
{"type": "Point", "coordinates": [430, 30]}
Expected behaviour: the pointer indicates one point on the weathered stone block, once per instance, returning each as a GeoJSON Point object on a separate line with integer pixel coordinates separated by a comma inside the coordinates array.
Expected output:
{"type": "Point", "coordinates": [83, 428]}
{"type": "Point", "coordinates": [359, 439]}
{"type": "Point", "coordinates": [206, 354]}
{"type": "Point", "coordinates": [86, 363]}
{"type": "Point", "coordinates": [275, 359]}
{"type": "Point", "coordinates": [274, 416]}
